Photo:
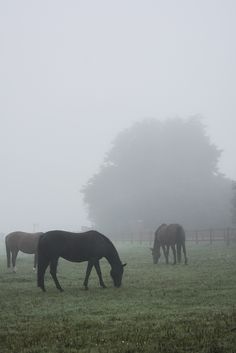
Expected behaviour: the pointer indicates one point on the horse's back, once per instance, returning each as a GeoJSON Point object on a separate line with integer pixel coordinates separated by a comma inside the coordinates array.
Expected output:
{"type": "Point", "coordinates": [61, 236]}
{"type": "Point", "coordinates": [180, 234]}
{"type": "Point", "coordinates": [25, 242]}
{"type": "Point", "coordinates": [12, 235]}
{"type": "Point", "coordinates": [176, 233]}
{"type": "Point", "coordinates": [170, 234]}
{"type": "Point", "coordinates": [73, 246]}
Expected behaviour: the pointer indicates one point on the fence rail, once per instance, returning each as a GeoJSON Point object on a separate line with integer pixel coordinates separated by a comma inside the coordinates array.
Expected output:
{"type": "Point", "coordinates": [226, 235]}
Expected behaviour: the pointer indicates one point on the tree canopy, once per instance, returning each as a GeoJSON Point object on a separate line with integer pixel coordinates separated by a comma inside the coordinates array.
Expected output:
{"type": "Point", "coordinates": [159, 172]}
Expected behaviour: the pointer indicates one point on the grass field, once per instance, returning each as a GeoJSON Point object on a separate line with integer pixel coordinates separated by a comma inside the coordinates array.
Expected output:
{"type": "Point", "coordinates": [158, 309]}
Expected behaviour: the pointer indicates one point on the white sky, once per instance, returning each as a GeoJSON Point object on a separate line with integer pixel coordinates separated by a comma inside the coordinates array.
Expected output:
{"type": "Point", "coordinates": [75, 73]}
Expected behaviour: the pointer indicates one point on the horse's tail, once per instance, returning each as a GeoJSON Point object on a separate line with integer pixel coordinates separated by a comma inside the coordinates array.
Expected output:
{"type": "Point", "coordinates": [42, 263]}
{"type": "Point", "coordinates": [179, 252]}
{"type": "Point", "coordinates": [8, 251]}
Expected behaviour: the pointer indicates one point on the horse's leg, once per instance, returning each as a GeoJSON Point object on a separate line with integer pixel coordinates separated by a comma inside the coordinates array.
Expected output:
{"type": "Point", "coordinates": [88, 271]}
{"type": "Point", "coordinates": [99, 273]}
{"type": "Point", "coordinates": [53, 271]}
{"type": "Point", "coordinates": [14, 256]}
{"type": "Point", "coordinates": [165, 253]}
{"type": "Point", "coordinates": [174, 253]}
{"type": "Point", "coordinates": [178, 252]}
{"type": "Point", "coordinates": [8, 251]}
{"type": "Point", "coordinates": [184, 251]}
{"type": "Point", "coordinates": [35, 260]}
{"type": "Point", "coordinates": [42, 266]}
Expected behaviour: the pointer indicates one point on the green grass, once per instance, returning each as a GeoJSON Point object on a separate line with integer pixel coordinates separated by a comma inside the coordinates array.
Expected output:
{"type": "Point", "coordinates": [158, 309]}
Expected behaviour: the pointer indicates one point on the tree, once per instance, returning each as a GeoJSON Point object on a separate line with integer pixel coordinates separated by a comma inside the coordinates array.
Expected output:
{"type": "Point", "coordinates": [159, 172]}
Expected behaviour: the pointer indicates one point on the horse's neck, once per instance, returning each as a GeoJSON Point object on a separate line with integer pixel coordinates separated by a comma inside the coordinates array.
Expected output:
{"type": "Point", "coordinates": [159, 233]}
{"type": "Point", "coordinates": [155, 242]}
{"type": "Point", "coordinates": [113, 258]}
{"type": "Point", "coordinates": [156, 239]}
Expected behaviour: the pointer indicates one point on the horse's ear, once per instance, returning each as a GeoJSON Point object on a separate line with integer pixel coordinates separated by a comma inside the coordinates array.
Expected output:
{"type": "Point", "coordinates": [124, 265]}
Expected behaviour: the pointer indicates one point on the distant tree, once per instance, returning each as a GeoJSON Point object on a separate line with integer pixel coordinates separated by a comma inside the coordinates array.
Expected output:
{"type": "Point", "coordinates": [159, 172]}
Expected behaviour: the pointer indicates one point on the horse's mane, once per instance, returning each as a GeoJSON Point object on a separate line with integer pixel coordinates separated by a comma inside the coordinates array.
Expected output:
{"type": "Point", "coordinates": [156, 233]}
{"type": "Point", "coordinates": [110, 243]}
{"type": "Point", "coordinates": [107, 239]}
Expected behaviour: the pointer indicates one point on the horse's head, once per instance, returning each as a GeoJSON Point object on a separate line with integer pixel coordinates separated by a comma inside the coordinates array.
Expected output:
{"type": "Point", "coordinates": [156, 254]}
{"type": "Point", "coordinates": [116, 274]}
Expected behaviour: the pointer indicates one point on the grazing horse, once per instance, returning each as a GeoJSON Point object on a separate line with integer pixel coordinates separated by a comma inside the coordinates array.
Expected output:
{"type": "Point", "coordinates": [167, 236]}
{"type": "Point", "coordinates": [88, 246]}
{"type": "Point", "coordinates": [21, 241]}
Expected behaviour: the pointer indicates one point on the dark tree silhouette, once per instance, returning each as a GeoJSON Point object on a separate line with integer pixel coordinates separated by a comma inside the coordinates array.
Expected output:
{"type": "Point", "coordinates": [159, 172]}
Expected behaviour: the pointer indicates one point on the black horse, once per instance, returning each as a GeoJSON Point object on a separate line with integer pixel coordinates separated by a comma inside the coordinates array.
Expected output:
{"type": "Point", "coordinates": [88, 246]}
{"type": "Point", "coordinates": [167, 236]}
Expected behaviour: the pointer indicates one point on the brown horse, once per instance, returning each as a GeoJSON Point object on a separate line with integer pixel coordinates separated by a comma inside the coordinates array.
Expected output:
{"type": "Point", "coordinates": [21, 241]}
{"type": "Point", "coordinates": [167, 236]}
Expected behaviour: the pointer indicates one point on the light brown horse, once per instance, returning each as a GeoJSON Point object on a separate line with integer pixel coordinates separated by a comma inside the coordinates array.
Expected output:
{"type": "Point", "coordinates": [167, 236]}
{"type": "Point", "coordinates": [21, 241]}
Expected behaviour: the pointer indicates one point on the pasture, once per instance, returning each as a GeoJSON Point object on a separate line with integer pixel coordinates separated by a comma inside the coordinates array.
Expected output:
{"type": "Point", "coordinates": [159, 308]}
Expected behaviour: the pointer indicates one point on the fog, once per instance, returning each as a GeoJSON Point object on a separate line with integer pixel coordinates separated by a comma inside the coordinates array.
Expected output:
{"type": "Point", "coordinates": [76, 73]}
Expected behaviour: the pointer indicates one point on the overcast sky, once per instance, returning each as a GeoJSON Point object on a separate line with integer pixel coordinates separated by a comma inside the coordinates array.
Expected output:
{"type": "Point", "coordinates": [75, 73]}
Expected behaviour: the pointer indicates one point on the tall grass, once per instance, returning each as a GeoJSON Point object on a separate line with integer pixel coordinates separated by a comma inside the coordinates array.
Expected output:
{"type": "Point", "coordinates": [159, 308]}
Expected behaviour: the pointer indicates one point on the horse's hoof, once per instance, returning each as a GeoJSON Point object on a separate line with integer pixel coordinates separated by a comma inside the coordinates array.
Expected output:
{"type": "Point", "coordinates": [85, 287]}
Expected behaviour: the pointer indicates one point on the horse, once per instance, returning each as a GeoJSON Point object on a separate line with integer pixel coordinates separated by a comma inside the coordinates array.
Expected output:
{"type": "Point", "coordinates": [88, 246]}
{"type": "Point", "coordinates": [167, 236]}
{"type": "Point", "coordinates": [21, 241]}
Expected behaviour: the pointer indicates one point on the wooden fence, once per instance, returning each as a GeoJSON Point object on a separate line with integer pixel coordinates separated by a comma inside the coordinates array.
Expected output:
{"type": "Point", "coordinates": [226, 235]}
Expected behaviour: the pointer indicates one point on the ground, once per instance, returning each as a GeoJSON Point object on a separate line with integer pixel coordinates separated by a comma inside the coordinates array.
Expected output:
{"type": "Point", "coordinates": [159, 308]}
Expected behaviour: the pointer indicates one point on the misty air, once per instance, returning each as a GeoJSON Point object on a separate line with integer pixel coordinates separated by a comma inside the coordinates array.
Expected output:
{"type": "Point", "coordinates": [118, 176]}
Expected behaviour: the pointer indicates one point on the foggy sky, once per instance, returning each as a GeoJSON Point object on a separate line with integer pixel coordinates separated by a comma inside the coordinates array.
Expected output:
{"type": "Point", "coordinates": [75, 73]}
